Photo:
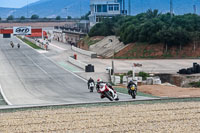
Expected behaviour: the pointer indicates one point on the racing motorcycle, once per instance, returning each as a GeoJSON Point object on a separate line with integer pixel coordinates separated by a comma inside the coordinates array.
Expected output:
{"type": "Point", "coordinates": [133, 91]}
{"type": "Point", "coordinates": [91, 86]}
{"type": "Point", "coordinates": [108, 92]}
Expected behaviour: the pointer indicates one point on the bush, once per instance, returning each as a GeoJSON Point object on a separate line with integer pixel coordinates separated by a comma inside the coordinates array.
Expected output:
{"type": "Point", "coordinates": [195, 84]}
{"type": "Point", "coordinates": [143, 75]}
{"type": "Point", "coordinates": [34, 16]}
{"type": "Point", "coordinates": [130, 73]}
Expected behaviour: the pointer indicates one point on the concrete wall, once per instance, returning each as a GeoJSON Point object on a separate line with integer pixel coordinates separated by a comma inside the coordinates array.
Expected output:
{"type": "Point", "coordinates": [85, 52]}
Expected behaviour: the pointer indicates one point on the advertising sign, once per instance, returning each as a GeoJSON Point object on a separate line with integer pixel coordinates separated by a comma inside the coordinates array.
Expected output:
{"type": "Point", "coordinates": [25, 30]}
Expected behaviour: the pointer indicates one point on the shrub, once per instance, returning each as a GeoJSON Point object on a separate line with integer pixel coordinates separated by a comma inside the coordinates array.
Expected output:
{"type": "Point", "coordinates": [195, 84]}
{"type": "Point", "coordinates": [143, 75]}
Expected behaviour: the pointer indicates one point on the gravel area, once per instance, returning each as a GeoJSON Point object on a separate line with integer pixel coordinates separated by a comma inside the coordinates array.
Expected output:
{"type": "Point", "coordinates": [169, 91]}
{"type": "Point", "coordinates": [168, 117]}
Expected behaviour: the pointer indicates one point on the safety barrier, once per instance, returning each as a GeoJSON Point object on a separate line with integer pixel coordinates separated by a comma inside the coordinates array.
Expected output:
{"type": "Point", "coordinates": [85, 52]}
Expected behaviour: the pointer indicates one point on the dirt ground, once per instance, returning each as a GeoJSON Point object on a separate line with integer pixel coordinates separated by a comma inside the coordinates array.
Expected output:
{"type": "Point", "coordinates": [146, 118]}
{"type": "Point", "coordinates": [169, 91]}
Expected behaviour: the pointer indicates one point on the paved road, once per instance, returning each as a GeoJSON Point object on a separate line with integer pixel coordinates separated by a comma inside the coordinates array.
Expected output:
{"type": "Point", "coordinates": [28, 77]}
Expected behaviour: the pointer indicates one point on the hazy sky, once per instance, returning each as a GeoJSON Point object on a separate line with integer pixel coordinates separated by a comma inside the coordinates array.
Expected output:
{"type": "Point", "coordinates": [15, 3]}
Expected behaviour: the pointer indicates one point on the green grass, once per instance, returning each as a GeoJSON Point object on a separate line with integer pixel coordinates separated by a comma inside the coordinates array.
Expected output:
{"type": "Point", "coordinates": [2, 102]}
{"type": "Point", "coordinates": [125, 91]}
{"type": "Point", "coordinates": [195, 84]}
{"type": "Point", "coordinates": [87, 40]}
{"type": "Point", "coordinates": [30, 43]}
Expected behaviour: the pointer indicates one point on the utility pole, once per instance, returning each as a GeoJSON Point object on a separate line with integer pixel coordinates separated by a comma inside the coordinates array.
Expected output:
{"type": "Point", "coordinates": [129, 7]}
{"type": "Point", "coordinates": [171, 8]}
{"type": "Point", "coordinates": [80, 8]}
{"type": "Point", "coordinates": [27, 8]}
{"type": "Point", "coordinates": [124, 6]}
{"type": "Point", "coordinates": [66, 12]}
{"type": "Point", "coordinates": [195, 9]}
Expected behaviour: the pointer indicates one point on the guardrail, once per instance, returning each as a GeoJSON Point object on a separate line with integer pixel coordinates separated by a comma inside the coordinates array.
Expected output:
{"type": "Point", "coordinates": [85, 52]}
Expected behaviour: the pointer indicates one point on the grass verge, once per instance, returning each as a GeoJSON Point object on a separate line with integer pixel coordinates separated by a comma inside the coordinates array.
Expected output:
{"type": "Point", "coordinates": [29, 43]}
{"type": "Point", "coordinates": [87, 40]}
{"type": "Point", "coordinates": [125, 91]}
{"type": "Point", "coordinates": [153, 101]}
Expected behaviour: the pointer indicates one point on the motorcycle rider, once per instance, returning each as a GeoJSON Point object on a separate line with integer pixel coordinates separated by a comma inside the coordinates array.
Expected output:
{"type": "Point", "coordinates": [99, 81]}
{"type": "Point", "coordinates": [129, 86]}
{"type": "Point", "coordinates": [18, 45]}
{"type": "Point", "coordinates": [90, 81]}
{"type": "Point", "coordinates": [12, 44]}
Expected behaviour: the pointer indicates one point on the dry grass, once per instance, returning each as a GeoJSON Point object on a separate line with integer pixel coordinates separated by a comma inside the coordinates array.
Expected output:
{"type": "Point", "coordinates": [170, 117]}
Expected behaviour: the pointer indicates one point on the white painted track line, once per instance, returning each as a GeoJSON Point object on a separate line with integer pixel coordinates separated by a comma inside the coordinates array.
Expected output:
{"type": "Point", "coordinates": [4, 96]}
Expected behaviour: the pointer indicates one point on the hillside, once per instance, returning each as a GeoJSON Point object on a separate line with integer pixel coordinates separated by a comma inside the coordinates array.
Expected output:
{"type": "Point", "coordinates": [156, 51]}
{"type": "Point", "coordinates": [50, 8]}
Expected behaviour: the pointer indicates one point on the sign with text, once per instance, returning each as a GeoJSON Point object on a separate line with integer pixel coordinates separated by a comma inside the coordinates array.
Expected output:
{"type": "Point", "coordinates": [24, 30]}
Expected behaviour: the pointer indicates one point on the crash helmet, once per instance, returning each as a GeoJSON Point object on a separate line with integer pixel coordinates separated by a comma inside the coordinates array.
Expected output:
{"type": "Point", "coordinates": [131, 81]}
{"type": "Point", "coordinates": [99, 80]}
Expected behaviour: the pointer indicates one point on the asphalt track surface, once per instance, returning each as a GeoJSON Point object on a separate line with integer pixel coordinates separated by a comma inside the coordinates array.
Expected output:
{"type": "Point", "coordinates": [29, 78]}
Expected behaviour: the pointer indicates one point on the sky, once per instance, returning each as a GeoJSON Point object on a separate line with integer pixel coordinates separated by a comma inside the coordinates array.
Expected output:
{"type": "Point", "coordinates": [15, 3]}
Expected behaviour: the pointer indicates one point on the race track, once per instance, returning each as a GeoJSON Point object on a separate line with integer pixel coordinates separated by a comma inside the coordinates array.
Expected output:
{"type": "Point", "coordinates": [28, 78]}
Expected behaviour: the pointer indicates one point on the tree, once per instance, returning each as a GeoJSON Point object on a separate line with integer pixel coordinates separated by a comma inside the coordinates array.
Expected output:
{"type": "Point", "coordinates": [165, 36]}
{"type": "Point", "coordinates": [86, 16]}
{"type": "Point", "coordinates": [10, 17]}
{"type": "Point", "coordinates": [34, 16]}
{"type": "Point", "coordinates": [152, 14]}
{"type": "Point", "coordinates": [0, 18]}
{"type": "Point", "coordinates": [22, 18]}
{"type": "Point", "coordinates": [69, 17]}
{"type": "Point", "coordinates": [104, 28]}
{"type": "Point", "coordinates": [58, 18]}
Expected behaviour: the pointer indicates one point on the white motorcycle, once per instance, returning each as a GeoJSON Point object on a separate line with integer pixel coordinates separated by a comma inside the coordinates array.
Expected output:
{"type": "Point", "coordinates": [91, 86]}
{"type": "Point", "coordinates": [111, 94]}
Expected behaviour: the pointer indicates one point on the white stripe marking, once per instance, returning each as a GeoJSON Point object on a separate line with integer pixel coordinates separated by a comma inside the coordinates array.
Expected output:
{"type": "Point", "coordinates": [36, 64]}
{"type": "Point", "coordinates": [54, 62]}
{"type": "Point", "coordinates": [4, 96]}
{"type": "Point", "coordinates": [57, 46]}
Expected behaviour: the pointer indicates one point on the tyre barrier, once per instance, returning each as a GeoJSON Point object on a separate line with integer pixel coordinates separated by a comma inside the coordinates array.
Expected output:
{"type": "Point", "coordinates": [192, 70]}
{"type": "Point", "coordinates": [89, 68]}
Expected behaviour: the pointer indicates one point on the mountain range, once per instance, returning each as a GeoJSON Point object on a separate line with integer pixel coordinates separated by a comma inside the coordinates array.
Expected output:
{"type": "Point", "coordinates": [77, 8]}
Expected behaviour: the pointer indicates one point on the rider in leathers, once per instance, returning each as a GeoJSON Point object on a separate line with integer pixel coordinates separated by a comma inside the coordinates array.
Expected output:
{"type": "Point", "coordinates": [99, 81]}
{"type": "Point", "coordinates": [129, 86]}
{"type": "Point", "coordinates": [90, 81]}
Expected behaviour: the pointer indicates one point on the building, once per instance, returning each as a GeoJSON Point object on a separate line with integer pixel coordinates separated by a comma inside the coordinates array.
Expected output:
{"type": "Point", "coordinates": [105, 9]}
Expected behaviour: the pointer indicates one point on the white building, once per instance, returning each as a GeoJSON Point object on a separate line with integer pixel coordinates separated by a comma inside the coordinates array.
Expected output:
{"type": "Point", "coordinates": [104, 8]}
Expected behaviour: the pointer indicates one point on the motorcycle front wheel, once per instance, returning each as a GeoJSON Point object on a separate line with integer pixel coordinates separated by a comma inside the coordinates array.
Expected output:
{"type": "Point", "coordinates": [133, 94]}
{"type": "Point", "coordinates": [108, 96]}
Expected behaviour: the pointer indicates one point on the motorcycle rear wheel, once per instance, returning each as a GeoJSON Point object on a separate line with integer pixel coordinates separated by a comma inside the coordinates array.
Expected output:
{"type": "Point", "coordinates": [91, 89]}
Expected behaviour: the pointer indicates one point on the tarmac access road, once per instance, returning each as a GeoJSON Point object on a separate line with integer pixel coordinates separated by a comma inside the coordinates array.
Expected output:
{"type": "Point", "coordinates": [29, 78]}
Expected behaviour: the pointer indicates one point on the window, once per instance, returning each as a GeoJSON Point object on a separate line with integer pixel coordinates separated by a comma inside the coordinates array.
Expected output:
{"type": "Point", "coordinates": [110, 7]}
{"type": "Point", "coordinates": [116, 7]}
{"type": "Point", "coordinates": [99, 8]}
{"type": "Point", "coordinates": [104, 8]}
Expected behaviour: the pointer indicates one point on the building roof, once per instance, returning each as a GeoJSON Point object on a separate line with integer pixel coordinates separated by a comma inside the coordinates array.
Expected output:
{"type": "Point", "coordinates": [96, 2]}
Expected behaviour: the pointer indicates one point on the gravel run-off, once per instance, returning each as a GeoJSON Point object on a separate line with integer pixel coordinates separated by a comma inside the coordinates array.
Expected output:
{"type": "Point", "coordinates": [162, 117]}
